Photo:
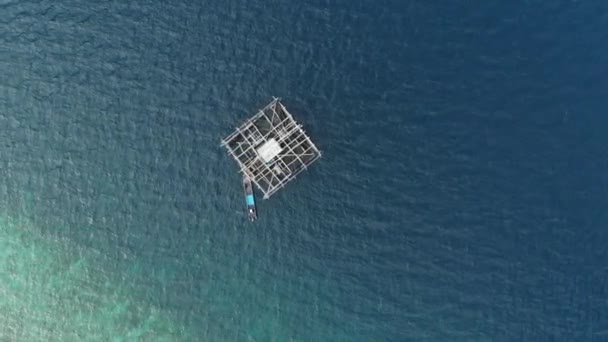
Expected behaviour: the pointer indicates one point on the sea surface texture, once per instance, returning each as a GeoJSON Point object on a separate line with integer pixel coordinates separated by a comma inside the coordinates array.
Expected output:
{"type": "Point", "coordinates": [462, 194]}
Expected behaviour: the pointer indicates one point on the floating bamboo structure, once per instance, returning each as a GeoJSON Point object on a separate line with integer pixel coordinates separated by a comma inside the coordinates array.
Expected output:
{"type": "Point", "coordinates": [271, 148]}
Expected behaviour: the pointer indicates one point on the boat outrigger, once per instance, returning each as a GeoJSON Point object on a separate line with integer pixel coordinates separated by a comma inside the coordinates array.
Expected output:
{"type": "Point", "coordinates": [251, 211]}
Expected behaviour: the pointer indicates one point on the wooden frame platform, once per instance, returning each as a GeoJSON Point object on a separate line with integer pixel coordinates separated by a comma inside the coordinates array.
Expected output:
{"type": "Point", "coordinates": [271, 148]}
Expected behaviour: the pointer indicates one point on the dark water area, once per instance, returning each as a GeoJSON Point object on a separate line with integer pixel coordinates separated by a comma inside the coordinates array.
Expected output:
{"type": "Point", "coordinates": [461, 196]}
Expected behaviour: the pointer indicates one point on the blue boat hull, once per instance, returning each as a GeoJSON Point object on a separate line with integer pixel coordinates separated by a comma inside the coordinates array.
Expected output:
{"type": "Point", "coordinates": [249, 199]}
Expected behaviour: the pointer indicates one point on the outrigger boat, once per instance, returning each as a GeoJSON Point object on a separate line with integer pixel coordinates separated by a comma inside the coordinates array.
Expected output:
{"type": "Point", "coordinates": [251, 211]}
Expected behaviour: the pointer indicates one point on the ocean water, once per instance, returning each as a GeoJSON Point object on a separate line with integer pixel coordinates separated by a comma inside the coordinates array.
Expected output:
{"type": "Point", "coordinates": [461, 197]}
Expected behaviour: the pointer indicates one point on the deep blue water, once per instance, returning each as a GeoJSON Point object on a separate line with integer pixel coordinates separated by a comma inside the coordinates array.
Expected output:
{"type": "Point", "coordinates": [461, 196]}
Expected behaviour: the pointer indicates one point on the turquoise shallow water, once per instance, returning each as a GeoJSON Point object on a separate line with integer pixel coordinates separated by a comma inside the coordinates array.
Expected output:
{"type": "Point", "coordinates": [460, 197]}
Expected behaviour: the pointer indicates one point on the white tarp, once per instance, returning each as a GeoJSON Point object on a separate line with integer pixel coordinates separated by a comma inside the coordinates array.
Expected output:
{"type": "Point", "coordinates": [269, 150]}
